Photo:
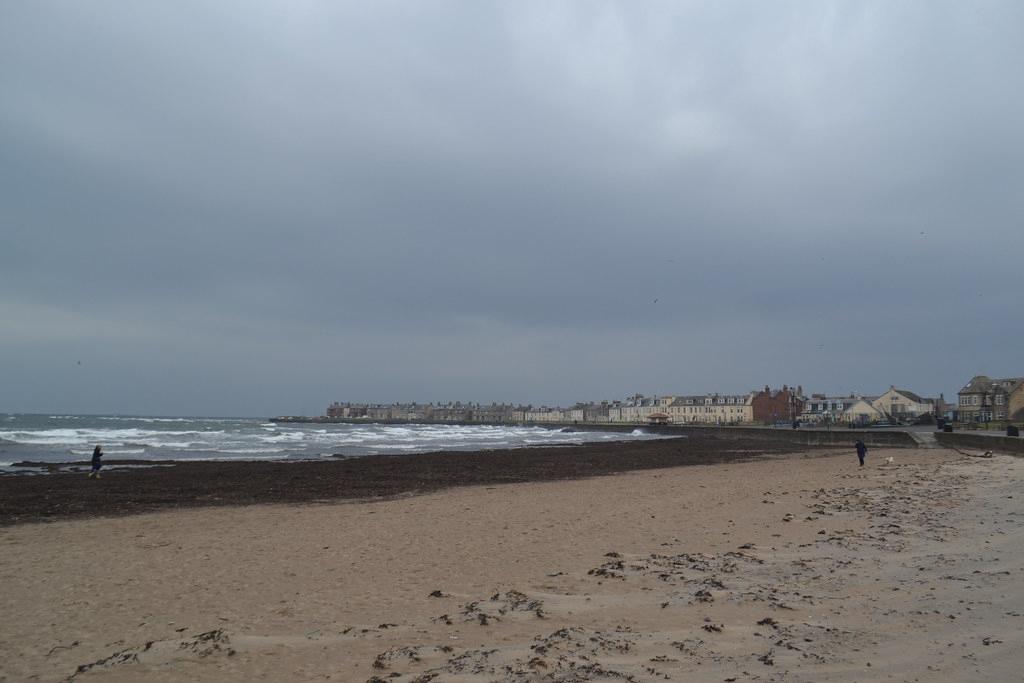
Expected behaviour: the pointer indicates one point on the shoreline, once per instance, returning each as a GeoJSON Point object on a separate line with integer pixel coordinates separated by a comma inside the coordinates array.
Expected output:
{"type": "Point", "coordinates": [67, 493]}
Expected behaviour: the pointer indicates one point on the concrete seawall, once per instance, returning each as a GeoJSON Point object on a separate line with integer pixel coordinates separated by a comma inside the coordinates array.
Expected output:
{"type": "Point", "coordinates": [845, 437]}
{"type": "Point", "coordinates": [981, 442]}
{"type": "Point", "coordinates": [804, 437]}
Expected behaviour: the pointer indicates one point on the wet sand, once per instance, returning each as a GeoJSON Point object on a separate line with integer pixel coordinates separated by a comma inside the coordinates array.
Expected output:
{"type": "Point", "coordinates": [798, 567]}
{"type": "Point", "coordinates": [129, 487]}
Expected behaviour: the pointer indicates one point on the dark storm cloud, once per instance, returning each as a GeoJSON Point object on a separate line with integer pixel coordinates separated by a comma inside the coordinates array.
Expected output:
{"type": "Point", "coordinates": [259, 207]}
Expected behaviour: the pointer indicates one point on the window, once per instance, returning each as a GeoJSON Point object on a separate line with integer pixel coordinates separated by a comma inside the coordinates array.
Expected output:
{"type": "Point", "coordinates": [1000, 399]}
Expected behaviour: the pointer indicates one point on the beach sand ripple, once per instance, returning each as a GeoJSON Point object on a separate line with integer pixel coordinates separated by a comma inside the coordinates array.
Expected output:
{"type": "Point", "coordinates": [786, 569]}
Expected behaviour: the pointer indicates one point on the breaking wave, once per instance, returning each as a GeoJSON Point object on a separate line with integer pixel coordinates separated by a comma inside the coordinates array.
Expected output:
{"type": "Point", "coordinates": [65, 437]}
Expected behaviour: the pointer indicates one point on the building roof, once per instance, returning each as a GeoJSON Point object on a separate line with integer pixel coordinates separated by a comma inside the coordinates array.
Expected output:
{"type": "Point", "coordinates": [819, 398]}
{"type": "Point", "coordinates": [698, 399]}
{"type": "Point", "coordinates": [982, 383]}
{"type": "Point", "coordinates": [909, 394]}
{"type": "Point", "coordinates": [858, 401]}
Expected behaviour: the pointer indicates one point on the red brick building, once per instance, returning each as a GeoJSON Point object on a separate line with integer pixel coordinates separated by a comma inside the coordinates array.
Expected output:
{"type": "Point", "coordinates": [782, 405]}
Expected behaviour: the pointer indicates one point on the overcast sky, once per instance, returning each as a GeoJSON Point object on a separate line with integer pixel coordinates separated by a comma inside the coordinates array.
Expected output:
{"type": "Point", "coordinates": [256, 208]}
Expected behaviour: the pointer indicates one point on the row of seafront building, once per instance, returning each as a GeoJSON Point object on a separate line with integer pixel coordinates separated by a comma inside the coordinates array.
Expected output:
{"type": "Point", "coordinates": [982, 399]}
{"type": "Point", "coordinates": [637, 409]}
{"type": "Point", "coordinates": [762, 407]}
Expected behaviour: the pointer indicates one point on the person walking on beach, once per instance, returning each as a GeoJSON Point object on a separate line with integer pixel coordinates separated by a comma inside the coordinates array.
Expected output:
{"type": "Point", "coordinates": [97, 453]}
{"type": "Point", "coordinates": [862, 450]}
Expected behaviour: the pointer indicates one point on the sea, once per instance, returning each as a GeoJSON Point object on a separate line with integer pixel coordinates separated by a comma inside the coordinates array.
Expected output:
{"type": "Point", "coordinates": [70, 438]}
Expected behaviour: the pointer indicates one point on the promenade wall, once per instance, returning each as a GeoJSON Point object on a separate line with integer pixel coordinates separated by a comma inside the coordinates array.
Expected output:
{"type": "Point", "coordinates": [981, 442]}
{"type": "Point", "coordinates": [803, 437]}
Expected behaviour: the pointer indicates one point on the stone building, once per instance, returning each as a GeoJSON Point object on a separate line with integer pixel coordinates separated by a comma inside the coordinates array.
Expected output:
{"type": "Point", "coordinates": [902, 405]}
{"type": "Point", "coordinates": [820, 408]}
{"type": "Point", "coordinates": [782, 405]}
{"type": "Point", "coordinates": [634, 409]}
{"type": "Point", "coordinates": [985, 399]}
{"type": "Point", "coordinates": [862, 412]}
{"type": "Point", "coordinates": [710, 409]}
{"type": "Point", "coordinates": [1015, 404]}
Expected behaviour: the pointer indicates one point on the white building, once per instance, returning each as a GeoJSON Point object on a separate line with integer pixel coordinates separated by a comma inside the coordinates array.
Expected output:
{"type": "Point", "coordinates": [902, 405]}
{"type": "Point", "coordinates": [711, 409]}
{"type": "Point", "coordinates": [823, 409]}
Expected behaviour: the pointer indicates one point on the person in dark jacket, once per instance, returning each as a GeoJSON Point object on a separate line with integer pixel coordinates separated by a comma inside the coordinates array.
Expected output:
{"type": "Point", "coordinates": [862, 450]}
{"type": "Point", "coordinates": [97, 453]}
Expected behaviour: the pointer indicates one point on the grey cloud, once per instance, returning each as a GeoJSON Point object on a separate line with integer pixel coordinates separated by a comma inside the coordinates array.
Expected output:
{"type": "Point", "coordinates": [465, 200]}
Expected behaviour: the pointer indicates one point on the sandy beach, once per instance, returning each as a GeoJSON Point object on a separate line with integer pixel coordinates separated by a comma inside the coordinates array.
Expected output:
{"type": "Point", "coordinates": [791, 567]}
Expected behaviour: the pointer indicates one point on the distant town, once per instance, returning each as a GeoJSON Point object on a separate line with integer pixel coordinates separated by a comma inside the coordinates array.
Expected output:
{"type": "Point", "coordinates": [982, 401]}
